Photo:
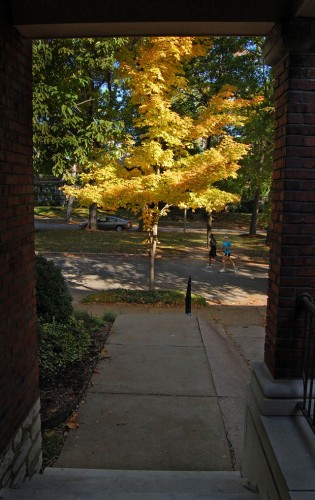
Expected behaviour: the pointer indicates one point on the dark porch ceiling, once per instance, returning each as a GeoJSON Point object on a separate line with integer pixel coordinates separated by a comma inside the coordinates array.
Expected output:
{"type": "Point", "coordinates": [66, 18]}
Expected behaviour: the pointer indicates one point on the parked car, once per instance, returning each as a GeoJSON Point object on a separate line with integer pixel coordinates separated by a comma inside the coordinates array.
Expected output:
{"type": "Point", "coordinates": [110, 222]}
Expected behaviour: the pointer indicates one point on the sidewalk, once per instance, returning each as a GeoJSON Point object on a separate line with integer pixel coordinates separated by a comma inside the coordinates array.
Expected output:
{"type": "Point", "coordinates": [164, 415]}
{"type": "Point", "coordinates": [170, 393]}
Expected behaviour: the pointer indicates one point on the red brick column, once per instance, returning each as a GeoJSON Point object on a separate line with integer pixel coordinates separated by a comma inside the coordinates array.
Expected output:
{"type": "Point", "coordinates": [18, 348]}
{"type": "Point", "coordinates": [291, 52]}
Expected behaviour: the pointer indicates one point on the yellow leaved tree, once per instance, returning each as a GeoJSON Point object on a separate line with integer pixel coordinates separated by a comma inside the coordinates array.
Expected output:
{"type": "Point", "coordinates": [161, 166]}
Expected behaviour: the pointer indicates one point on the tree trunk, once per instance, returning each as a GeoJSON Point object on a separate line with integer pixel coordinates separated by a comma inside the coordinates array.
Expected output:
{"type": "Point", "coordinates": [185, 219]}
{"type": "Point", "coordinates": [254, 217]}
{"type": "Point", "coordinates": [152, 252]}
{"type": "Point", "coordinates": [209, 227]}
{"type": "Point", "coordinates": [70, 201]}
{"type": "Point", "coordinates": [92, 216]}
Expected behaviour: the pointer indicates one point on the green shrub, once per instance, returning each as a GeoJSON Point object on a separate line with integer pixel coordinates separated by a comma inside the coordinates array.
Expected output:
{"type": "Point", "coordinates": [90, 323]}
{"type": "Point", "coordinates": [52, 293]}
{"type": "Point", "coordinates": [61, 345]}
{"type": "Point", "coordinates": [136, 296]}
{"type": "Point", "coordinates": [109, 316]}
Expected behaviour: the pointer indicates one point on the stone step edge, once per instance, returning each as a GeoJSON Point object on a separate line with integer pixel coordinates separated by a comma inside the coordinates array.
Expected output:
{"type": "Point", "coordinates": [132, 472]}
{"type": "Point", "coordinates": [227, 481]}
{"type": "Point", "coordinates": [58, 483]}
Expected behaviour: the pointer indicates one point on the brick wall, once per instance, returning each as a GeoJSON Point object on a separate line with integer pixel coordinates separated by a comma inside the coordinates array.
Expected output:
{"type": "Point", "coordinates": [292, 258]}
{"type": "Point", "coordinates": [18, 342]}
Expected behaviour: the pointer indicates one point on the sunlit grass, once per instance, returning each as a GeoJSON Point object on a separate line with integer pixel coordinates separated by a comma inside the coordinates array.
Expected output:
{"type": "Point", "coordinates": [50, 212]}
{"type": "Point", "coordinates": [77, 213]}
{"type": "Point", "coordinates": [249, 246]}
{"type": "Point", "coordinates": [79, 241]}
{"type": "Point", "coordinates": [133, 242]}
{"type": "Point", "coordinates": [60, 212]}
{"type": "Point", "coordinates": [172, 243]}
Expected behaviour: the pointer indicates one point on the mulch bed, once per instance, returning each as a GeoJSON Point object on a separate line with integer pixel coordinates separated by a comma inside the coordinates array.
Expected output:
{"type": "Point", "coordinates": [60, 397]}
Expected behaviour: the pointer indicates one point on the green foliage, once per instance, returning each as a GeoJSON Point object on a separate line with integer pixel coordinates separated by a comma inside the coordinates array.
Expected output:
{"type": "Point", "coordinates": [231, 60]}
{"type": "Point", "coordinates": [78, 103]}
{"type": "Point", "coordinates": [155, 297]}
{"type": "Point", "coordinates": [61, 345]}
{"type": "Point", "coordinates": [109, 316]}
{"type": "Point", "coordinates": [91, 323]}
{"type": "Point", "coordinates": [65, 344]}
{"type": "Point", "coordinates": [238, 61]}
{"type": "Point", "coordinates": [52, 293]}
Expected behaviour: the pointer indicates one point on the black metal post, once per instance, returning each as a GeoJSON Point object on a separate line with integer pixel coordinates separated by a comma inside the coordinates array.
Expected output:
{"type": "Point", "coordinates": [188, 297]}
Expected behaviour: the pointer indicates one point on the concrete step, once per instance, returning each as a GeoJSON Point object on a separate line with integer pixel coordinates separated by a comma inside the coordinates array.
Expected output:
{"type": "Point", "coordinates": [95, 484]}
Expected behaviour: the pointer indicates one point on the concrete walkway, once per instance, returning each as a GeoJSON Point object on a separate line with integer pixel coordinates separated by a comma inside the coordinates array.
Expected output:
{"type": "Point", "coordinates": [164, 416]}
{"type": "Point", "coordinates": [169, 394]}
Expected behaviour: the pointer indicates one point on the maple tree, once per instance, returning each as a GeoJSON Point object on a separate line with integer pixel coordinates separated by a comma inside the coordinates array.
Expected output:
{"type": "Point", "coordinates": [166, 163]}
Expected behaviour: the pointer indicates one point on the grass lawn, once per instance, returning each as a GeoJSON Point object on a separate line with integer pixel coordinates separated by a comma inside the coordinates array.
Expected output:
{"type": "Point", "coordinates": [59, 213]}
{"type": "Point", "coordinates": [172, 244]}
{"type": "Point", "coordinates": [131, 242]}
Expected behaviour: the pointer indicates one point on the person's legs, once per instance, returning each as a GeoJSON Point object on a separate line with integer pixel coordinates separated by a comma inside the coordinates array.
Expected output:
{"type": "Point", "coordinates": [232, 263]}
{"type": "Point", "coordinates": [227, 258]}
{"type": "Point", "coordinates": [224, 264]}
{"type": "Point", "coordinates": [212, 255]}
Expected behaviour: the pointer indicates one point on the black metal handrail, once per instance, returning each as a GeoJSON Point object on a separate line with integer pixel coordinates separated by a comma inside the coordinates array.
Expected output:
{"type": "Point", "coordinates": [305, 305]}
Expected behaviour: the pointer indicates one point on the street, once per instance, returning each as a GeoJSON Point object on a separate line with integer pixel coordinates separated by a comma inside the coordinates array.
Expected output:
{"type": "Point", "coordinates": [87, 273]}
{"type": "Point", "coordinates": [91, 272]}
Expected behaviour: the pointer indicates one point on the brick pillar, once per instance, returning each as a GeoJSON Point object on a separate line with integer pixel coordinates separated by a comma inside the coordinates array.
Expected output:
{"type": "Point", "coordinates": [291, 52]}
{"type": "Point", "coordinates": [19, 394]}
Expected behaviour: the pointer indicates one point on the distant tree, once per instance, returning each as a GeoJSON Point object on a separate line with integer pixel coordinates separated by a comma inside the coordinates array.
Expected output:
{"type": "Point", "coordinates": [238, 61]}
{"type": "Point", "coordinates": [79, 106]}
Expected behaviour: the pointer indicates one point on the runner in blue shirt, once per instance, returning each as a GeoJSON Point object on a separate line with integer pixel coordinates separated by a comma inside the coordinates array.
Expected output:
{"type": "Point", "coordinates": [226, 248]}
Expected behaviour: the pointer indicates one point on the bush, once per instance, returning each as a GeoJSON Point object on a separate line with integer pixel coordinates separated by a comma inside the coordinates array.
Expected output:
{"type": "Point", "coordinates": [109, 316]}
{"type": "Point", "coordinates": [90, 323]}
{"type": "Point", "coordinates": [135, 296]}
{"type": "Point", "coordinates": [52, 293]}
{"type": "Point", "coordinates": [61, 345]}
